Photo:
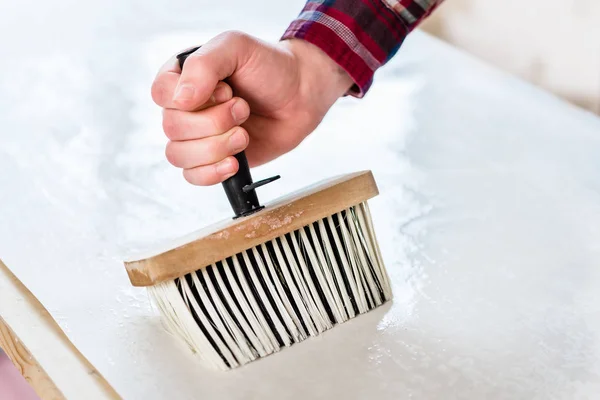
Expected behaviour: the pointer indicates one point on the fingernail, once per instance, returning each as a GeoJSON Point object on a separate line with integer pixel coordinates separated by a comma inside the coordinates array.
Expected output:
{"type": "Point", "coordinates": [237, 141]}
{"type": "Point", "coordinates": [222, 94]}
{"type": "Point", "coordinates": [224, 167]}
{"type": "Point", "coordinates": [184, 92]}
{"type": "Point", "coordinates": [239, 111]}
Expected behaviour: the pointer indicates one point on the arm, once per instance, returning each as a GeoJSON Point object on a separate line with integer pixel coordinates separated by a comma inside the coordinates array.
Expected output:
{"type": "Point", "coordinates": [275, 95]}
{"type": "Point", "coordinates": [359, 35]}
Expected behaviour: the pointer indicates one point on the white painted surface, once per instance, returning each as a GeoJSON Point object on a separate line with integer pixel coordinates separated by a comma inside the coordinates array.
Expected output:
{"type": "Point", "coordinates": [488, 220]}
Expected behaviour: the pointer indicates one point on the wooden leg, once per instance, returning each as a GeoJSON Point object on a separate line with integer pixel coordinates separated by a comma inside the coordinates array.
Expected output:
{"type": "Point", "coordinates": [12, 384]}
{"type": "Point", "coordinates": [41, 351]}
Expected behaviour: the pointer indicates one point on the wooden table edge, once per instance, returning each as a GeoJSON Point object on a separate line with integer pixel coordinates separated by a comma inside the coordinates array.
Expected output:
{"type": "Point", "coordinates": [62, 370]}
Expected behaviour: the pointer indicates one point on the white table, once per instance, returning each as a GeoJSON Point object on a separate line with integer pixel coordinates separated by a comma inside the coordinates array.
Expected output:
{"type": "Point", "coordinates": [489, 215]}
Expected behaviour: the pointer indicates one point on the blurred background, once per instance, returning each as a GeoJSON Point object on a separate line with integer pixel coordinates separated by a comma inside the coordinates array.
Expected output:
{"type": "Point", "coordinates": [554, 44]}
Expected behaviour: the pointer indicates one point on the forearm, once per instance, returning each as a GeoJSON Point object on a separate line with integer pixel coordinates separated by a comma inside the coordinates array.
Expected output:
{"type": "Point", "coordinates": [359, 35]}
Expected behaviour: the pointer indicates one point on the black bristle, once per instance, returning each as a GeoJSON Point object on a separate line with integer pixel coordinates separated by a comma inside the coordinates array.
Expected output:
{"type": "Point", "coordinates": [284, 283]}
{"type": "Point", "coordinates": [190, 282]}
{"type": "Point", "coordinates": [200, 277]}
{"type": "Point", "coordinates": [338, 257]}
{"type": "Point", "coordinates": [245, 270]}
{"type": "Point", "coordinates": [261, 279]}
{"type": "Point", "coordinates": [211, 275]}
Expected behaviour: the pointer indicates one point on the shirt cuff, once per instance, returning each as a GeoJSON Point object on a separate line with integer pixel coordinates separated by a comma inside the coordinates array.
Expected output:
{"type": "Point", "coordinates": [360, 36]}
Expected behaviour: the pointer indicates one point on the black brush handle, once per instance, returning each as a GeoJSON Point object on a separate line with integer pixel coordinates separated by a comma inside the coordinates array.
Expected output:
{"type": "Point", "coordinates": [239, 188]}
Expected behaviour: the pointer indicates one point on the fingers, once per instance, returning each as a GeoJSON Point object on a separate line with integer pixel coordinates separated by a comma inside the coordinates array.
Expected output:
{"type": "Point", "coordinates": [183, 125]}
{"type": "Point", "coordinates": [203, 142]}
{"type": "Point", "coordinates": [216, 60]}
{"type": "Point", "coordinates": [194, 153]}
{"type": "Point", "coordinates": [207, 175]}
{"type": "Point", "coordinates": [200, 117]}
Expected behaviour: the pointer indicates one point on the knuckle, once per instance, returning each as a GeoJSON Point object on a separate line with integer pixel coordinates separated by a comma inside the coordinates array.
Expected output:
{"type": "Point", "coordinates": [195, 63]}
{"type": "Point", "coordinates": [173, 154]}
{"type": "Point", "coordinates": [214, 148]}
{"type": "Point", "coordinates": [189, 176]}
{"type": "Point", "coordinates": [214, 126]}
{"type": "Point", "coordinates": [234, 36]}
{"type": "Point", "coordinates": [157, 91]}
{"type": "Point", "coordinates": [170, 124]}
{"type": "Point", "coordinates": [195, 176]}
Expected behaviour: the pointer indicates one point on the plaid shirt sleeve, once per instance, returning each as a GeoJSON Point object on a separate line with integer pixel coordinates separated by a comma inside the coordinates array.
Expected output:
{"type": "Point", "coordinates": [360, 35]}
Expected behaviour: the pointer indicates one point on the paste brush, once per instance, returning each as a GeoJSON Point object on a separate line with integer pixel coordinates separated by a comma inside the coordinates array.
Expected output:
{"type": "Point", "coordinates": [273, 275]}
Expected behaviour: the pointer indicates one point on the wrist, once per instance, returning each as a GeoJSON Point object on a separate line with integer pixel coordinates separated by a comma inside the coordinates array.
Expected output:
{"type": "Point", "coordinates": [320, 76]}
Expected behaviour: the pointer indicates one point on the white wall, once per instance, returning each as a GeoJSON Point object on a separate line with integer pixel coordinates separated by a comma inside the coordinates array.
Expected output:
{"type": "Point", "coordinates": [552, 43]}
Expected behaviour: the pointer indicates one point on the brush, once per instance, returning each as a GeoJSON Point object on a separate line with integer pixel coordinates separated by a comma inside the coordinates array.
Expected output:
{"type": "Point", "coordinates": [273, 275]}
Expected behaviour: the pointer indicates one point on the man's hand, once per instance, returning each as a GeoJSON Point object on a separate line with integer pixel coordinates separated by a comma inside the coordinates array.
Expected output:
{"type": "Point", "coordinates": [275, 96]}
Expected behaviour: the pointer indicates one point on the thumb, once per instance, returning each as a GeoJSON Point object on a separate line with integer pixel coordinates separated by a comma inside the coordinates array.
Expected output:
{"type": "Point", "coordinates": [213, 62]}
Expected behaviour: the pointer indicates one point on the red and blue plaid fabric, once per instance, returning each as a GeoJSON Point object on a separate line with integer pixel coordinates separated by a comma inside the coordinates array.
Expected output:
{"type": "Point", "coordinates": [360, 35]}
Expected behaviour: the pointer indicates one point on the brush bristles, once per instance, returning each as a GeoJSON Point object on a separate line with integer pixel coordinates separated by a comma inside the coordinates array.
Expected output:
{"type": "Point", "coordinates": [279, 293]}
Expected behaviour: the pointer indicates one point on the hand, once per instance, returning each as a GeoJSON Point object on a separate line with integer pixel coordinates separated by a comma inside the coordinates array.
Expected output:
{"type": "Point", "coordinates": [275, 97]}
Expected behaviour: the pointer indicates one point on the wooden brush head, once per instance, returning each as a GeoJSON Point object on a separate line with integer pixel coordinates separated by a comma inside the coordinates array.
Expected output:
{"type": "Point", "coordinates": [227, 238]}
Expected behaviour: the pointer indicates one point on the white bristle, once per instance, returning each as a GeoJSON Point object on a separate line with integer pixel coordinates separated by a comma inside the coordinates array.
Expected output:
{"type": "Point", "coordinates": [278, 293]}
{"type": "Point", "coordinates": [339, 281]}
